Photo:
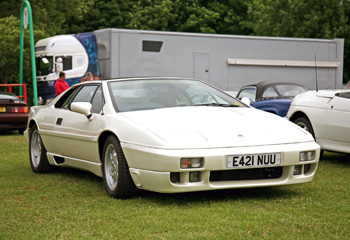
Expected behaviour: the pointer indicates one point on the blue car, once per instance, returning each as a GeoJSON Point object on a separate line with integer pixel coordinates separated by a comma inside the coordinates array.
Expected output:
{"type": "Point", "coordinates": [274, 97]}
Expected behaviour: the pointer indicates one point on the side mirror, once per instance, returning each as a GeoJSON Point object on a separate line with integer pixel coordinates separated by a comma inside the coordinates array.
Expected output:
{"type": "Point", "coordinates": [59, 65]}
{"type": "Point", "coordinates": [83, 108]}
{"type": "Point", "coordinates": [246, 101]}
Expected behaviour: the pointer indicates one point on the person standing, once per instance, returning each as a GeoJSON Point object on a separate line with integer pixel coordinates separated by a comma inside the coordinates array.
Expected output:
{"type": "Point", "coordinates": [95, 77]}
{"type": "Point", "coordinates": [61, 85]}
{"type": "Point", "coordinates": [88, 77]}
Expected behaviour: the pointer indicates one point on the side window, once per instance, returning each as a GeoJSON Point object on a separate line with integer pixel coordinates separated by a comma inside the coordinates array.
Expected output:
{"type": "Point", "coordinates": [248, 92]}
{"type": "Point", "coordinates": [97, 101]}
{"type": "Point", "coordinates": [67, 62]}
{"type": "Point", "coordinates": [269, 92]}
{"type": "Point", "coordinates": [65, 99]}
{"type": "Point", "coordinates": [85, 94]}
{"type": "Point", "coordinates": [82, 94]}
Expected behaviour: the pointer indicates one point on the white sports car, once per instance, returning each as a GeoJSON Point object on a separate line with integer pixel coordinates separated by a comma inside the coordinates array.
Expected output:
{"type": "Point", "coordinates": [326, 115]}
{"type": "Point", "coordinates": [167, 135]}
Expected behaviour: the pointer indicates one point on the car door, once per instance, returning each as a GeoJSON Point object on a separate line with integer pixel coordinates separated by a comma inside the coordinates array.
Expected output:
{"type": "Point", "coordinates": [337, 117]}
{"type": "Point", "coordinates": [74, 132]}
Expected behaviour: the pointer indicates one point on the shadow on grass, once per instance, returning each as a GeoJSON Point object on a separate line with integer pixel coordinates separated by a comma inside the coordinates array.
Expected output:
{"type": "Point", "coordinates": [336, 158]}
{"type": "Point", "coordinates": [183, 199]}
{"type": "Point", "coordinates": [77, 174]}
{"type": "Point", "coordinates": [8, 132]}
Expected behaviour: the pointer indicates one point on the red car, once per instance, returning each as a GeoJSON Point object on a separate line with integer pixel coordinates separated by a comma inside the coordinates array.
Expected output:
{"type": "Point", "coordinates": [13, 112]}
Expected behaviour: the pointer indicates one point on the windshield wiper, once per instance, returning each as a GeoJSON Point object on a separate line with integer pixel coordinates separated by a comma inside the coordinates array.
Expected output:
{"type": "Point", "coordinates": [216, 104]}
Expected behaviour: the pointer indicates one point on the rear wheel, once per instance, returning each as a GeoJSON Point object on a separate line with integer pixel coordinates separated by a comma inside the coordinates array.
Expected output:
{"type": "Point", "coordinates": [37, 153]}
{"type": "Point", "coordinates": [116, 176]}
{"type": "Point", "coordinates": [305, 124]}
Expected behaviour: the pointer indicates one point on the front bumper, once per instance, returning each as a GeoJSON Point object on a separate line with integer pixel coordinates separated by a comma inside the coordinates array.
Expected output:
{"type": "Point", "coordinates": [151, 168]}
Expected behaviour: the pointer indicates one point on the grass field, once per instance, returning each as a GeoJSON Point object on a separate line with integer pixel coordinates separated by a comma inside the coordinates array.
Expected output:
{"type": "Point", "coordinates": [72, 204]}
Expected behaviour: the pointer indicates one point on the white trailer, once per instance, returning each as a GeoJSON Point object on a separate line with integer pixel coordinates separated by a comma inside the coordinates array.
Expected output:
{"type": "Point", "coordinates": [225, 61]}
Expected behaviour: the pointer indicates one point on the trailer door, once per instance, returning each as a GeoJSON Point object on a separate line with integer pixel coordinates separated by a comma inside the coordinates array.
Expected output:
{"type": "Point", "coordinates": [201, 66]}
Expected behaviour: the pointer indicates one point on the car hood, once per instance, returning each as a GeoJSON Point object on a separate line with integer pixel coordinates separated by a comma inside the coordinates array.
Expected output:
{"type": "Point", "coordinates": [206, 127]}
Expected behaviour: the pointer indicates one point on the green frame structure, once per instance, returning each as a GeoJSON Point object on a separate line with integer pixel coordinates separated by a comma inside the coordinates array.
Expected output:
{"type": "Point", "coordinates": [26, 5]}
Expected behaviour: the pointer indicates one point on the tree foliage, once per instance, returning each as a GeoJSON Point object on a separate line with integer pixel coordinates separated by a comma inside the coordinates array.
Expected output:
{"type": "Point", "coordinates": [165, 15]}
{"type": "Point", "coordinates": [299, 18]}
{"type": "Point", "coordinates": [304, 19]}
{"type": "Point", "coordinates": [283, 18]}
{"type": "Point", "coordinates": [9, 51]}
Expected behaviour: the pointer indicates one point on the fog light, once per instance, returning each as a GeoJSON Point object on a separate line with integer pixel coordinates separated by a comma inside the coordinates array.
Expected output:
{"type": "Point", "coordinates": [195, 177]}
{"type": "Point", "coordinates": [307, 156]}
{"type": "Point", "coordinates": [307, 168]}
{"type": "Point", "coordinates": [191, 162]}
{"type": "Point", "coordinates": [297, 170]}
{"type": "Point", "coordinates": [175, 177]}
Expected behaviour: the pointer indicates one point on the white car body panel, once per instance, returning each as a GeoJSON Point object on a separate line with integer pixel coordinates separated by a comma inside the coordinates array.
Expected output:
{"type": "Point", "coordinates": [329, 116]}
{"type": "Point", "coordinates": [217, 127]}
{"type": "Point", "coordinates": [154, 141]}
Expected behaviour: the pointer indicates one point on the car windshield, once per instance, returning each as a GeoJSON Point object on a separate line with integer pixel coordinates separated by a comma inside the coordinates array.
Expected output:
{"type": "Point", "coordinates": [286, 90]}
{"type": "Point", "coordinates": [147, 94]}
{"type": "Point", "coordinates": [43, 65]}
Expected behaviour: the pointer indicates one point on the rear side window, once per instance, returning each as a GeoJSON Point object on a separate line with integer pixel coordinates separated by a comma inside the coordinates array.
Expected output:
{"type": "Point", "coordinates": [269, 92]}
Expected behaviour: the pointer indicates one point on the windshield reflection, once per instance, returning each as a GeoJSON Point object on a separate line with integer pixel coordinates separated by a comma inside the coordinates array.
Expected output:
{"type": "Point", "coordinates": [135, 95]}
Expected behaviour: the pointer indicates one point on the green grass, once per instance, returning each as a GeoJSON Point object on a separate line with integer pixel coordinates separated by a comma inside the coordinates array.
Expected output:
{"type": "Point", "coordinates": [72, 204]}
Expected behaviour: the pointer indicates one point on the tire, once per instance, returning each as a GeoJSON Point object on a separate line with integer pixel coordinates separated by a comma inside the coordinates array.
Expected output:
{"type": "Point", "coordinates": [37, 153]}
{"type": "Point", "coordinates": [305, 124]}
{"type": "Point", "coordinates": [116, 176]}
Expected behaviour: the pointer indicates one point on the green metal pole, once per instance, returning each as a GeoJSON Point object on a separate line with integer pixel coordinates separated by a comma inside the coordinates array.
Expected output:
{"type": "Point", "coordinates": [26, 4]}
{"type": "Point", "coordinates": [21, 51]}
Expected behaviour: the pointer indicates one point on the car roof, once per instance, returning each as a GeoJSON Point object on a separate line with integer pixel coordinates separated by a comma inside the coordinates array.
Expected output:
{"type": "Point", "coordinates": [265, 84]}
{"type": "Point", "coordinates": [149, 78]}
{"type": "Point", "coordinates": [6, 95]}
{"type": "Point", "coordinates": [262, 86]}
{"type": "Point", "coordinates": [136, 78]}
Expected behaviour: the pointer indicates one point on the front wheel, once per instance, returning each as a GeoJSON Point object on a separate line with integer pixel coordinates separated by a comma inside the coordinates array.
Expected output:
{"type": "Point", "coordinates": [37, 153]}
{"type": "Point", "coordinates": [305, 124]}
{"type": "Point", "coordinates": [116, 176]}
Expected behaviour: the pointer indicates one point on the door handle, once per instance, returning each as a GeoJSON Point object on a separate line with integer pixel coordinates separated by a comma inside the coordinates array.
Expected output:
{"type": "Point", "coordinates": [59, 121]}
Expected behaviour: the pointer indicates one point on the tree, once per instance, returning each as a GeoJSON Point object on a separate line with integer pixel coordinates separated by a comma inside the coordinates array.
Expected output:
{"type": "Point", "coordinates": [190, 16]}
{"type": "Point", "coordinates": [165, 15]}
{"type": "Point", "coordinates": [299, 18]}
{"type": "Point", "coordinates": [9, 51]}
{"type": "Point", "coordinates": [305, 19]}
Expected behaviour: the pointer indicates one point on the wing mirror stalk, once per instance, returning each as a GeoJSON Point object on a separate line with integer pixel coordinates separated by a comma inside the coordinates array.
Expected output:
{"type": "Point", "coordinates": [83, 108]}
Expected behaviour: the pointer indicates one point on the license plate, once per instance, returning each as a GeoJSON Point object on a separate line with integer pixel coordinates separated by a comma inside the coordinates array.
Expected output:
{"type": "Point", "coordinates": [2, 109]}
{"type": "Point", "coordinates": [255, 160]}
